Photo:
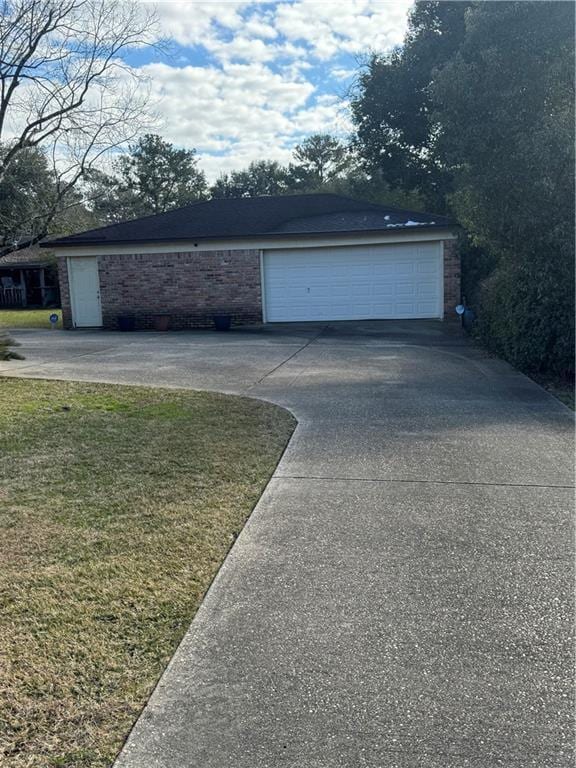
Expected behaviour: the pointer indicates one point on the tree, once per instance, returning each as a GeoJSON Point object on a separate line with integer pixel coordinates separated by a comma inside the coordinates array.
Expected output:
{"type": "Point", "coordinates": [262, 177]}
{"type": "Point", "coordinates": [28, 190]}
{"type": "Point", "coordinates": [65, 90]}
{"type": "Point", "coordinates": [392, 109]}
{"type": "Point", "coordinates": [362, 186]}
{"type": "Point", "coordinates": [322, 166]}
{"type": "Point", "coordinates": [504, 105]}
{"type": "Point", "coordinates": [153, 178]}
{"type": "Point", "coordinates": [108, 198]}
{"type": "Point", "coordinates": [319, 159]}
{"type": "Point", "coordinates": [476, 111]}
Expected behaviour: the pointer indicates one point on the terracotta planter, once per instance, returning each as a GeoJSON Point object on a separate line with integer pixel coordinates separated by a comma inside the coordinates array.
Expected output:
{"type": "Point", "coordinates": [161, 322]}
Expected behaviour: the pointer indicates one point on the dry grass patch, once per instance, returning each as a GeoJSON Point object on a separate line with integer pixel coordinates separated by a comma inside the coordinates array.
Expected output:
{"type": "Point", "coordinates": [117, 506]}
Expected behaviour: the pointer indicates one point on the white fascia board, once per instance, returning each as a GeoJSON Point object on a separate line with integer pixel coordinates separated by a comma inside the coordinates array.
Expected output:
{"type": "Point", "coordinates": [262, 244]}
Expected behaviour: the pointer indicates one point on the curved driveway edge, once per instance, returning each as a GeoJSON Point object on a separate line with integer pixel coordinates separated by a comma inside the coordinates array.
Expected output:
{"type": "Point", "coordinates": [402, 595]}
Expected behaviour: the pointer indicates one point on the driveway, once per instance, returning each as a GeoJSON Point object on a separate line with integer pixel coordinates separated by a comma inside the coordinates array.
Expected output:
{"type": "Point", "coordinates": [402, 594]}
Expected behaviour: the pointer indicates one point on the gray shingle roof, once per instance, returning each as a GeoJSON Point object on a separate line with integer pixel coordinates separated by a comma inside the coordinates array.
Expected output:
{"type": "Point", "coordinates": [26, 257]}
{"type": "Point", "coordinates": [258, 217]}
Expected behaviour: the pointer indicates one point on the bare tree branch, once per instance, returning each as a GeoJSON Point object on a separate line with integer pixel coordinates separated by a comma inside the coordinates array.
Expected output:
{"type": "Point", "coordinates": [65, 88]}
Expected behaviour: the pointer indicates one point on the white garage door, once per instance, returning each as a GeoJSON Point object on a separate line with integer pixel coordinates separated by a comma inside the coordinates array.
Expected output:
{"type": "Point", "coordinates": [353, 282]}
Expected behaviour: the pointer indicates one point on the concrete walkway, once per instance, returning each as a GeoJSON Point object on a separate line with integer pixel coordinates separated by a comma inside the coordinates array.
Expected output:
{"type": "Point", "coordinates": [402, 595]}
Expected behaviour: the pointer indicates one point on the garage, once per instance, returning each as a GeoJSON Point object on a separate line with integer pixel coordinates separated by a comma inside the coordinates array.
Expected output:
{"type": "Point", "coordinates": [364, 282]}
{"type": "Point", "coordinates": [293, 258]}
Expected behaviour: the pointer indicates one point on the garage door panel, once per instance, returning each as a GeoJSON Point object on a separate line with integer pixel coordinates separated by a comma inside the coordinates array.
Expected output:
{"type": "Point", "coordinates": [426, 267]}
{"type": "Point", "coordinates": [340, 291]}
{"type": "Point", "coordinates": [405, 270]}
{"type": "Point", "coordinates": [352, 283]}
{"type": "Point", "coordinates": [426, 287]}
{"type": "Point", "coordinates": [405, 289]}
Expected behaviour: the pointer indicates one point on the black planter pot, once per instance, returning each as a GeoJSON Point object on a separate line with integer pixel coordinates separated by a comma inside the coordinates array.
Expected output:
{"type": "Point", "coordinates": [222, 322]}
{"type": "Point", "coordinates": [126, 323]}
{"type": "Point", "coordinates": [468, 319]}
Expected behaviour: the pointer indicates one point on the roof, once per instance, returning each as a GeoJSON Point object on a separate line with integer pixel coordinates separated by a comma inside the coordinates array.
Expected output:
{"type": "Point", "coordinates": [232, 218]}
{"type": "Point", "coordinates": [31, 256]}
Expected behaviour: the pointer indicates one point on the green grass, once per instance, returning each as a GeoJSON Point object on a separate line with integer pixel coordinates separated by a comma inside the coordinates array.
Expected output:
{"type": "Point", "coordinates": [117, 506]}
{"type": "Point", "coordinates": [28, 318]}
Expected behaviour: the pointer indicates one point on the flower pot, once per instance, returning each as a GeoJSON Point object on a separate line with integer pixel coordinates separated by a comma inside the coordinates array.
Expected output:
{"type": "Point", "coordinates": [126, 323]}
{"type": "Point", "coordinates": [222, 322]}
{"type": "Point", "coordinates": [161, 322]}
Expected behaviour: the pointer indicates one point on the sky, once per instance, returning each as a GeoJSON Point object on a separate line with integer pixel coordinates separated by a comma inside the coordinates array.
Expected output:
{"type": "Point", "coordinates": [241, 81]}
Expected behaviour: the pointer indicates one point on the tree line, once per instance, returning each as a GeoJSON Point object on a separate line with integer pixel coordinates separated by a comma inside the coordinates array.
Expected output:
{"type": "Point", "coordinates": [154, 176]}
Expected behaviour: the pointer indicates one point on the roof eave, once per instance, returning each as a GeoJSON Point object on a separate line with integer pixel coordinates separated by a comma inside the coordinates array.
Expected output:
{"type": "Point", "coordinates": [24, 264]}
{"type": "Point", "coordinates": [258, 235]}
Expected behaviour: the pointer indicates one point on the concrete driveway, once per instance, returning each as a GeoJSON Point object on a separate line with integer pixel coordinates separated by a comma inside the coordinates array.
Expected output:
{"type": "Point", "coordinates": [402, 594]}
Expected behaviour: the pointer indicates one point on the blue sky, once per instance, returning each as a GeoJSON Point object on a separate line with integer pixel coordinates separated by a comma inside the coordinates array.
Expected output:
{"type": "Point", "coordinates": [241, 81]}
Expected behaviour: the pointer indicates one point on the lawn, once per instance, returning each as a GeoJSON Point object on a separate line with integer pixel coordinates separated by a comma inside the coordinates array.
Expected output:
{"type": "Point", "coordinates": [28, 318]}
{"type": "Point", "coordinates": [117, 506]}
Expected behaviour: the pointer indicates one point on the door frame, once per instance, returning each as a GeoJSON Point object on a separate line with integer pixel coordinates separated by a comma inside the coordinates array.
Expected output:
{"type": "Point", "coordinates": [69, 268]}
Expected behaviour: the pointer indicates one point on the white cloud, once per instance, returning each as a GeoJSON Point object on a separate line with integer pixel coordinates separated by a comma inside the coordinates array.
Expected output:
{"type": "Point", "coordinates": [240, 156]}
{"type": "Point", "coordinates": [272, 67]}
{"type": "Point", "coordinates": [325, 28]}
{"type": "Point", "coordinates": [241, 48]}
{"type": "Point", "coordinates": [322, 118]}
{"type": "Point", "coordinates": [189, 23]}
{"type": "Point", "coordinates": [262, 27]}
{"type": "Point", "coordinates": [342, 73]}
{"type": "Point", "coordinates": [199, 102]}
{"type": "Point", "coordinates": [242, 112]}
{"type": "Point", "coordinates": [352, 26]}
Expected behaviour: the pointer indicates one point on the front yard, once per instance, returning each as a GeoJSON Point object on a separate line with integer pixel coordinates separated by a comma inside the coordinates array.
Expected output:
{"type": "Point", "coordinates": [117, 506]}
{"type": "Point", "coordinates": [28, 318]}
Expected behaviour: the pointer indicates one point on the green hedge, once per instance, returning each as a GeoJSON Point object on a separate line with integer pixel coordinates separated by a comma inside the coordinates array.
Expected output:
{"type": "Point", "coordinates": [526, 315]}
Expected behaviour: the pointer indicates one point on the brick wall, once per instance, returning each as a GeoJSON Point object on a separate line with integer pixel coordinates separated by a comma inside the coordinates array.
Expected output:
{"type": "Point", "coordinates": [190, 286]}
{"type": "Point", "coordinates": [452, 293]}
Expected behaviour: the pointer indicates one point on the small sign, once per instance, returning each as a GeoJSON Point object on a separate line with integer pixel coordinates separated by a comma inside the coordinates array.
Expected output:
{"type": "Point", "coordinates": [460, 309]}
{"type": "Point", "coordinates": [53, 320]}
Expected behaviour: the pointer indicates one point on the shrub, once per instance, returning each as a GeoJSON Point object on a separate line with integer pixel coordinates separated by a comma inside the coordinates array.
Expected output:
{"type": "Point", "coordinates": [526, 315]}
{"type": "Point", "coordinates": [6, 351]}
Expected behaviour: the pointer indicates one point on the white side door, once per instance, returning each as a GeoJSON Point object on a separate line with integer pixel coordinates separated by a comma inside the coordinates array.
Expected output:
{"type": "Point", "coordinates": [85, 291]}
